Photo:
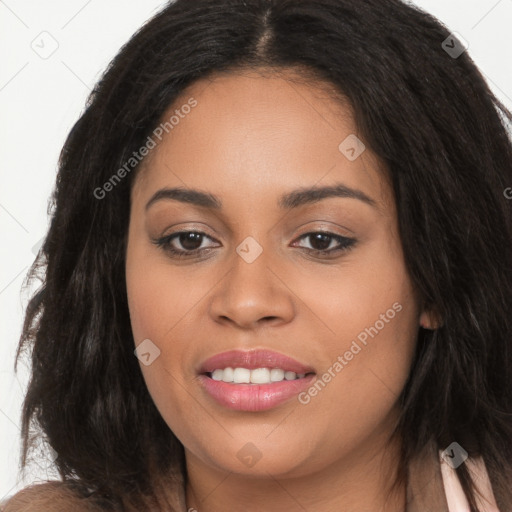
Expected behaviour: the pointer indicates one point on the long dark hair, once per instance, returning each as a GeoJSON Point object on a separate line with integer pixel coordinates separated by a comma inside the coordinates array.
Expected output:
{"type": "Point", "coordinates": [428, 115]}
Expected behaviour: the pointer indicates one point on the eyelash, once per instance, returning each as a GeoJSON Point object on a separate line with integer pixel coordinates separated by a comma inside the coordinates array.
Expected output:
{"type": "Point", "coordinates": [345, 244]}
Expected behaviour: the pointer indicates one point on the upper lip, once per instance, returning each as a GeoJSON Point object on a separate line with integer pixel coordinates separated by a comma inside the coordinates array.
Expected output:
{"type": "Point", "coordinates": [258, 358]}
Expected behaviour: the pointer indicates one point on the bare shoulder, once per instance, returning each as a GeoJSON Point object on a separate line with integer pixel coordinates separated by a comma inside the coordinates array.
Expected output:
{"type": "Point", "coordinates": [48, 497]}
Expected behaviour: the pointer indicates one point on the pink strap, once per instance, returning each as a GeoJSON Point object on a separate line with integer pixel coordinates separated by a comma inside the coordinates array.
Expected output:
{"type": "Point", "coordinates": [455, 497]}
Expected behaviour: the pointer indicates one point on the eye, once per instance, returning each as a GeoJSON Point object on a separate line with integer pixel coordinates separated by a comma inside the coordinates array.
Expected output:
{"type": "Point", "coordinates": [183, 244]}
{"type": "Point", "coordinates": [325, 243]}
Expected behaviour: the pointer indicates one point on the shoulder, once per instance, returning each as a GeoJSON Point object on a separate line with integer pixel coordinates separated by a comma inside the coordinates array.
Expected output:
{"type": "Point", "coordinates": [49, 497]}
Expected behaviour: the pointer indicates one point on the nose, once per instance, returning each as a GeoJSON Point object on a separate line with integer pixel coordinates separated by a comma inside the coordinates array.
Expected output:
{"type": "Point", "coordinates": [252, 294]}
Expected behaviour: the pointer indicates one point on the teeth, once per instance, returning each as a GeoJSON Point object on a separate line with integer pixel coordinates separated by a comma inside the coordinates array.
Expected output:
{"type": "Point", "coordinates": [260, 376]}
{"type": "Point", "coordinates": [256, 376]}
{"type": "Point", "coordinates": [276, 375]}
{"type": "Point", "coordinates": [227, 374]}
{"type": "Point", "coordinates": [217, 374]}
{"type": "Point", "coordinates": [241, 376]}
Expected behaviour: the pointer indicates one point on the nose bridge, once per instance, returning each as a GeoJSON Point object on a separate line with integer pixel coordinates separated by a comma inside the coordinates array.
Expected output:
{"type": "Point", "coordinates": [251, 291]}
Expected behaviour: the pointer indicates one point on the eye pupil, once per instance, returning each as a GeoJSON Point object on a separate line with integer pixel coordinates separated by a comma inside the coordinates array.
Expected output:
{"type": "Point", "coordinates": [189, 240]}
{"type": "Point", "coordinates": [320, 239]}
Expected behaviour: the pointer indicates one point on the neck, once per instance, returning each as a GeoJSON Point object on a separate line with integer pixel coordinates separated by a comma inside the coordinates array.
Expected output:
{"type": "Point", "coordinates": [359, 482]}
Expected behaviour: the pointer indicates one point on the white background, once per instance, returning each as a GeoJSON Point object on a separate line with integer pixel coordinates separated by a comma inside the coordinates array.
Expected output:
{"type": "Point", "coordinates": [40, 99]}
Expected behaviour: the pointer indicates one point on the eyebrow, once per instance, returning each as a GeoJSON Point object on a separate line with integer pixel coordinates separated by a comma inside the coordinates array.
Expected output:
{"type": "Point", "coordinates": [288, 201]}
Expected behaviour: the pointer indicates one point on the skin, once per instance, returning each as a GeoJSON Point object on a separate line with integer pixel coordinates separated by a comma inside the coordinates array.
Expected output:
{"type": "Point", "coordinates": [251, 138]}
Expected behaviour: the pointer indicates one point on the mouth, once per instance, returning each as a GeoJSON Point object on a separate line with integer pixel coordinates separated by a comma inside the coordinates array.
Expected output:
{"type": "Point", "coordinates": [253, 381]}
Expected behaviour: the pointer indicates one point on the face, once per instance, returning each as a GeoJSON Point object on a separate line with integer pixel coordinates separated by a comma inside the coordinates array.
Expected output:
{"type": "Point", "coordinates": [290, 279]}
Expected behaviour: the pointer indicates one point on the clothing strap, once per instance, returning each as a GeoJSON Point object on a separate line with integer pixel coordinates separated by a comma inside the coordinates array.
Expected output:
{"type": "Point", "coordinates": [455, 496]}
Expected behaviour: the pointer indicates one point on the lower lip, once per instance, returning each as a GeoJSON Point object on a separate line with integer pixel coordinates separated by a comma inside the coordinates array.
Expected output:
{"type": "Point", "coordinates": [254, 397]}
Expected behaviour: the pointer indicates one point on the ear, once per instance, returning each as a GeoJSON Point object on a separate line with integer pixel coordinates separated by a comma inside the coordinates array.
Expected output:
{"type": "Point", "coordinates": [430, 319]}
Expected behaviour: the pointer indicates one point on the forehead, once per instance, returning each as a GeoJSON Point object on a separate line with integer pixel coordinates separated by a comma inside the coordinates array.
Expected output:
{"type": "Point", "coordinates": [252, 133]}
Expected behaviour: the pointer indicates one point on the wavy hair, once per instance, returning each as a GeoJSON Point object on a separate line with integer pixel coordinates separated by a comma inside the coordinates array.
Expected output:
{"type": "Point", "coordinates": [432, 120]}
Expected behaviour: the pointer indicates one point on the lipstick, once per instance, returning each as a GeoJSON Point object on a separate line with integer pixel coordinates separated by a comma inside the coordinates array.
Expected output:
{"type": "Point", "coordinates": [255, 380]}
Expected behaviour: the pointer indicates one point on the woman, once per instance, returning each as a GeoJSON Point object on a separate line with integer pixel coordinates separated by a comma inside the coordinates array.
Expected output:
{"type": "Point", "coordinates": [278, 271]}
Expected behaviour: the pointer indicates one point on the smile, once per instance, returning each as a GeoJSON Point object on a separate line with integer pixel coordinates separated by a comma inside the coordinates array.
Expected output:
{"type": "Point", "coordinates": [253, 381]}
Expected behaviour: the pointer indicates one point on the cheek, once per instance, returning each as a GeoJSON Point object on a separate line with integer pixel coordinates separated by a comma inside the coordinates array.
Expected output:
{"type": "Point", "coordinates": [367, 318]}
{"type": "Point", "coordinates": [159, 296]}
{"type": "Point", "coordinates": [150, 299]}
{"type": "Point", "coordinates": [372, 316]}
{"type": "Point", "coordinates": [161, 302]}
{"type": "Point", "coordinates": [368, 296]}
{"type": "Point", "coordinates": [158, 302]}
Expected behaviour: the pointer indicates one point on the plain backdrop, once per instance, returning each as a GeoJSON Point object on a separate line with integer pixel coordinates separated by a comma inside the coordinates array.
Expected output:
{"type": "Point", "coordinates": [52, 53]}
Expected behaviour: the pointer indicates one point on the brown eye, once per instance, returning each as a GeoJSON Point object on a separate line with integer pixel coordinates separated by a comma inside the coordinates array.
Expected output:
{"type": "Point", "coordinates": [183, 243]}
{"type": "Point", "coordinates": [324, 243]}
{"type": "Point", "coordinates": [320, 241]}
{"type": "Point", "coordinates": [190, 240]}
